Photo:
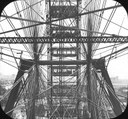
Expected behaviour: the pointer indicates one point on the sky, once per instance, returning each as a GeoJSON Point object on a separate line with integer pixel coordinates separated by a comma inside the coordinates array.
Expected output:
{"type": "Point", "coordinates": [116, 67]}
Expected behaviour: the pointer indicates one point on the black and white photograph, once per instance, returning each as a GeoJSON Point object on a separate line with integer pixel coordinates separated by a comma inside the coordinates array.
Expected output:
{"type": "Point", "coordinates": [63, 59]}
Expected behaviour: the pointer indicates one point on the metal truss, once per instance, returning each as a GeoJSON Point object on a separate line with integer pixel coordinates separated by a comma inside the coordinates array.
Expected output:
{"type": "Point", "coordinates": [98, 39]}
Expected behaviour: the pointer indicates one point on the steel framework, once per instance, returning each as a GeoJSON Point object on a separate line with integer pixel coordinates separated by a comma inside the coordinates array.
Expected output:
{"type": "Point", "coordinates": [64, 39]}
{"type": "Point", "coordinates": [76, 86]}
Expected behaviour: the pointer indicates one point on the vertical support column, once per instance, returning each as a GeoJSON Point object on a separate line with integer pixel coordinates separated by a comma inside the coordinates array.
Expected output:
{"type": "Point", "coordinates": [34, 93]}
{"type": "Point", "coordinates": [77, 80]}
{"type": "Point", "coordinates": [89, 80]}
{"type": "Point", "coordinates": [35, 84]}
{"type": "Point", "coordinates": [78, 58]}
{"type": "Point", "coordinates": [89, 46]}
{"type": "Point", "coordinates": [63, 98]}
{"type": "Point", "coordinates": [49, 58]}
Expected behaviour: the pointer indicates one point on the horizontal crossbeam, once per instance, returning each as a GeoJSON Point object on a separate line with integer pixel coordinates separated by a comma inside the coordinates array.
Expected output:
{"type": "Point", "coordinates": [29, 62]}
{"type": "Point", "coordinates": [68, 62]}
{"type": "Point", "coordinates": [28, 40]}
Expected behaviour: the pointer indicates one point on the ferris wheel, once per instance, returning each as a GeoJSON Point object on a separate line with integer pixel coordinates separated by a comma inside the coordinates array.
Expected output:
{"type": "Point", "coordinates": [61, 52]}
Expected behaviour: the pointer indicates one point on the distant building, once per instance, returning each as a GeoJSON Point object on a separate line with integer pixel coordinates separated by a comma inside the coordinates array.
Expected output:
{"type": "Point", "coordinates": [117, 83]}
{"type": "Point", "coordinates": [121, 88]}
